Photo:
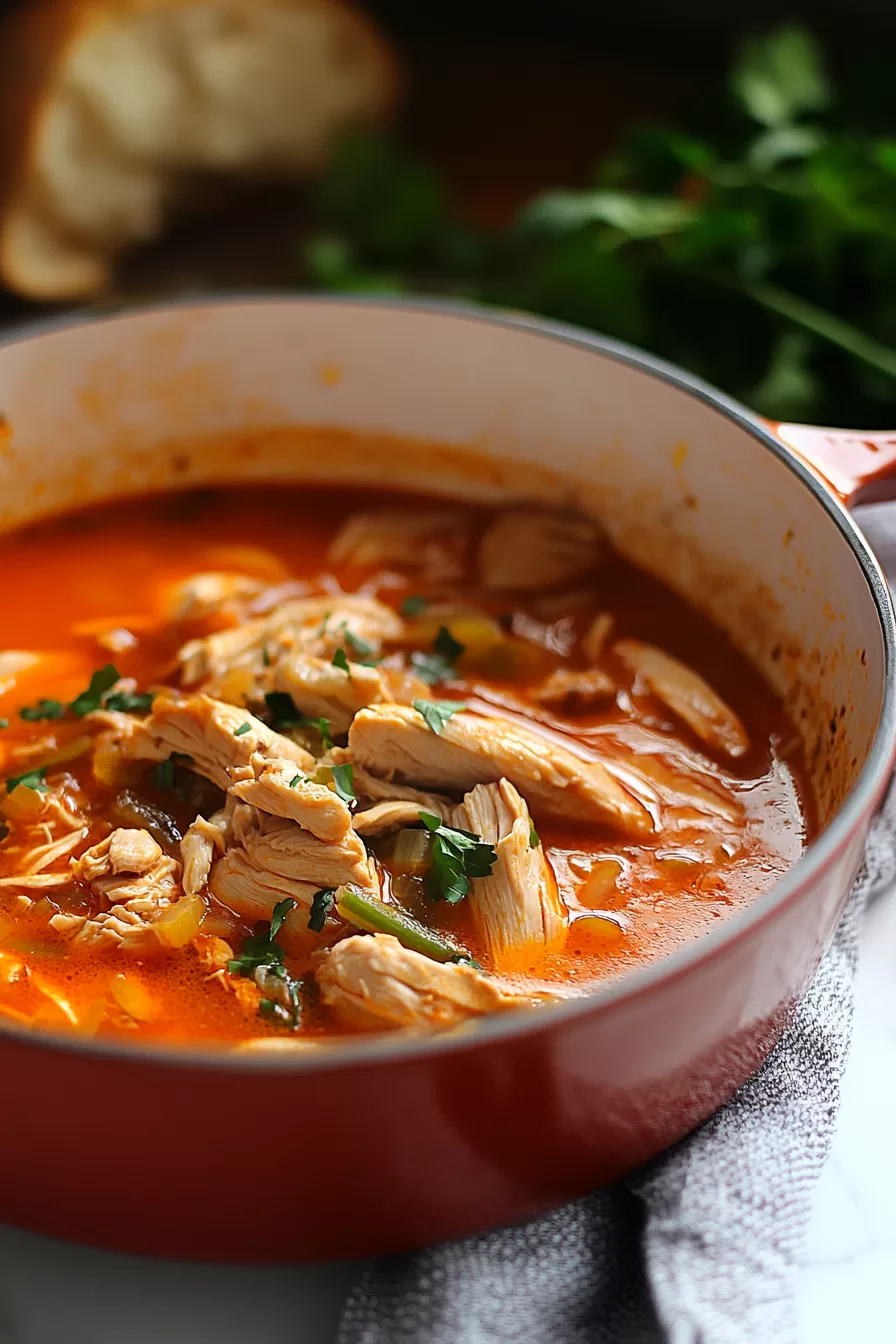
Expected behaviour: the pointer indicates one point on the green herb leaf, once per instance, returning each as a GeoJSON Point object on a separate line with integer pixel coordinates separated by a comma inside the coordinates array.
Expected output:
{"type": "Point", "coordinates": [446, 646]}
{"type": "Point", "coordinates": [340, 660]}
{"type": "Point", "coordinates": [321, 905]}
{"type": "Point", "coordinates": [280, 911]}
{"type": "Point", "coordinates": [438, 712]}
{"type": "Point", "coordinates": [91, 699]}
{"type": "Point", "coordinates": [343, 781]}
{"type": "Point", "coordinates": [358, 646]}
{"type": "Point", "coordinates": [413, 605]}
{"type": "Point", "coordinates": [458, 857]}
{"type": "Point", "coordinates": [534, 838]}
{"type": "Point", "coordinates": [44, 709]}
{"type": "Point", "coordinates": [286, 714]}
{"type": "Point", "coordinates": [4, 723]}
{"type": "Point", "coordinates": [780, 76]}
{"type": "Point", "coordinates": [296, 781]}
{"type": "Point", "coordinates": [163, 775]}
{"type": "Point", "coordinates": [31, 779]}
{"type": "Point", "coordinates": [138, 703]}
{"type": "Point", "coordinates": [243, 728]}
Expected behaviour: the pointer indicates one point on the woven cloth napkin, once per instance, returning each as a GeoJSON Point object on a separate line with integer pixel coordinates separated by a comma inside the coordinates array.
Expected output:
{"type": "Point", "coordinates": [700, 1247]}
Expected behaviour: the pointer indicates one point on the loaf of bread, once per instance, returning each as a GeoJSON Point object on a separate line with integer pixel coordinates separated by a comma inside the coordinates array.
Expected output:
{"type": "Point", "coordinates": [110, 110]}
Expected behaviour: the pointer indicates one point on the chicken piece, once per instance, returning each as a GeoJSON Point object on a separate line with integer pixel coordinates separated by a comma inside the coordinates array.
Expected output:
{"type": "Point", "coordinates": [277, 788]}
{"type": "Point", "coordinates": [517, 908]}
{"type": "Point", "coordinates": [394, 742]}
{"type": "Point", "coordinates": [219, 739]}
{"type": "Point", "coordinates": [317, 625]}
{"type": "Point", "coordinates": [202, 840]}
{"type": "Point", "coordinates": [391, 816]}
{"type": "Point", "coordinates": [431, 542]}
{"type": "Point", "coordinates": [372, 789]}
{"type": "Point", "coordinates": [597, 636]}
{"type": "Point", "coordinates": [272, 857]}
{"type": "Point", "coordinates": [573, 691]}
{"type": "Point", "coordinates": [371, 981]}
{"type": "Point", "coordinates": [687, 695]}
{"type": "Point", "coordinates": [529, 549]}
{"type": "Point", "coordinates": [128, 865]}
{"type": "Point", "coordinates": [211, 594]}
{"type": "Point", "coordinates": [320, 689]}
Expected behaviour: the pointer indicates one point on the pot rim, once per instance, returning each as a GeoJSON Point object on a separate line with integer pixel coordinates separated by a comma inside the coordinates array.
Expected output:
{"type": "Point", "coordinates": [862, 798]}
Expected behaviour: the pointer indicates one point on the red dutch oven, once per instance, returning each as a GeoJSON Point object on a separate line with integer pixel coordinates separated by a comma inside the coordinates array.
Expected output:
{"type": "Point", "coordinates": [393, 1143]}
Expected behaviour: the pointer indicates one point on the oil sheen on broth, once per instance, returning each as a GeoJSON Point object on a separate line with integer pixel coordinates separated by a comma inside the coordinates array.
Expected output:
{"type": "Point", "coordinates": [289, 764]}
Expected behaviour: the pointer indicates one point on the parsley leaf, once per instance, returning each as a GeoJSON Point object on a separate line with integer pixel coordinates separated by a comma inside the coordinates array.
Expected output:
{"type": "Point", "coordinates": [44, 709]}
{"type": "Point", "coordinates": [438, 712]}
{"type": "Point", "coordinates": [261, 960]}
{"type": "Point", "coordinates": [296, 781]}
{"type": "Point", "coordinates": [534, 837]}
{"type": "Point", "coordinates": [262, 949]}
{"type": "Point", "coordinates": [340, 660]}
{"type": "Point", "coordinates": [286, 714]}
{"type": "Point", "coordinates": [163, 775]}
{"type": "Point", "coordinates": [413, 605]}
{"type": "Point", "coordinates": [457, 858]}
{"type": "Point", "coordinates": [280, 911]}
{"type": "Point", "coordinates": [31, 779]}
{"type": "Point", "coordinates": [440, 664]}
{"type": "Point", "coordinates": [129, 704]}
{"type": "Point", "coordinates": [446, 645]}
{"type": "Point", "coordinates": [4, 723]}
{"type": "Point", "coordinates": [242, 730]}
{"type": "Point", "coordinates": [91, 699]}
{"type": "Point", "coordinates": [342, 778]}
{"type": "Point", "coordinates": [320, 907]}
{"type": "Point", "coordinates": [358, 646]}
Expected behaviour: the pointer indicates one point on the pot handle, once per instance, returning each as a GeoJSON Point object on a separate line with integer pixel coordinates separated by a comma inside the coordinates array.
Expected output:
{"type": "Point", "coordinates": [859, 467]}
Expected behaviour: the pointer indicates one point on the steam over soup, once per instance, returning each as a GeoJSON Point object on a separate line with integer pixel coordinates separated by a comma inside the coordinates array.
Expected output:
{"type": "Point", "coordinates": [287, 764]}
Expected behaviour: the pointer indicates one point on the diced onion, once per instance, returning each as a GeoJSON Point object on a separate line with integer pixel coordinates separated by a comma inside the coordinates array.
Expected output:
{"type": "Point", "coordinates": [408, 853]}
{"type": "Point", "coordinates": [133, 998]}
{"type": "Point", "coordinates": [179, 924]}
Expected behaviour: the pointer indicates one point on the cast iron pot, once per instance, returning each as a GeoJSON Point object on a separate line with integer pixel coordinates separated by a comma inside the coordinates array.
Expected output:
{"type": "Point", "coordinates": [393, 1143]}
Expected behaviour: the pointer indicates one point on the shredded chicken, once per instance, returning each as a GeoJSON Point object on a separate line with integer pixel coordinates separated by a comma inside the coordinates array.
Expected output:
{"type": "Point", "coordinates": [372, 789]}
{"type": "Point", "coordinates": [394, 742]}
{"type": "Point", "coordinates": [431, 542]}
{"type": "Point", "coordinates": [320, 689]}
{"type": "Point", "coordinates": [270, 857]}
{"type": "Point", "coordinates": [529, 549]}
{"type": "Point", "coordinates": [574, 691]}
{"type": "Point", "coordinates": [392, 816]}
{"type": "Point", "coordinates": [128, 865]}
{"type": "Point", "coordinates": [372, 981]}
{"type": "Point", "coordinates": [219, 740]}
{"type": "Point", "coordinates": [214, 593]}
{"type": "Point", "coordinates": [202, 840]}
{"type": "Point", "coordinates": [278, 788]}
{"type": "Point", "coordinates": [517, 907]}
{"type": "Point", "coordinates": [317, 625]}
{"type": "Point", "coordinates": [687, 695]}
{"type": "Point", "coordinates": [597, 636]}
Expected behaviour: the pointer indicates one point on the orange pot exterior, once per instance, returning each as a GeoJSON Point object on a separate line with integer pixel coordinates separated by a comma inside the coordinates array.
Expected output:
{"type": "Point", "coordinates": [207, 1162]}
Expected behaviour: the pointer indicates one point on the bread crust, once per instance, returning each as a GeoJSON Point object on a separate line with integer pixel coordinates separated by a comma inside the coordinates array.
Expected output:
{"type": "Point", "coordinates": [35, 40]}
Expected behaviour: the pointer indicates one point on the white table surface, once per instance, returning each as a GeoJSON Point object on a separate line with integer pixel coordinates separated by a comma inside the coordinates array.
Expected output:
{"type": "Point", "coordinates": [52, 1293]}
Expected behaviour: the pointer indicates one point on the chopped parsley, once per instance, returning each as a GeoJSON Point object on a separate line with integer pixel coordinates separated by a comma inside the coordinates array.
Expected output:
{"type": "Point", "coordinates": [320, 908]}
{"type": "Point", "coordinates": [340, 660]}
{"type": "Point", "coordinates": [286, 714]}
{"type": "Point", "coordinates": [163, 775]}
{"type": "Point", "coordinates": [266, 657]}
{"type": "Point", "coordinates": [262, 949]}
{"type": "Point", "coordinates": [296, 781]}
{"type": "Point", "coordinates": [44, 709]}
{"type": "Point", "coordinates": [139, 703]}
{"type": "Point", "coordinates": [457, 857]}
{"type": "Point", "coordinates": [343, 781]}
{"type": "Point", "coordinates": [4, 723]}
{"type": "Point", "coordinates": [31, 779]}
{"type": "Point", "coordinates": [261, 960]}
{"type": "Point", "coordinates": [91, 699]}
{"type": "Point", "coordinates": [534, 837]}
{"type": "Point", "coordinates": [243, 728]}
{"type": "Point", "coordinates": [412, 606]}
{"type": "Point", "coordinates": [438, 712]}
{"type": "Point", "coordinates": [440, 665]}
{"type": "Point", "coordinates": [358, 646]}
